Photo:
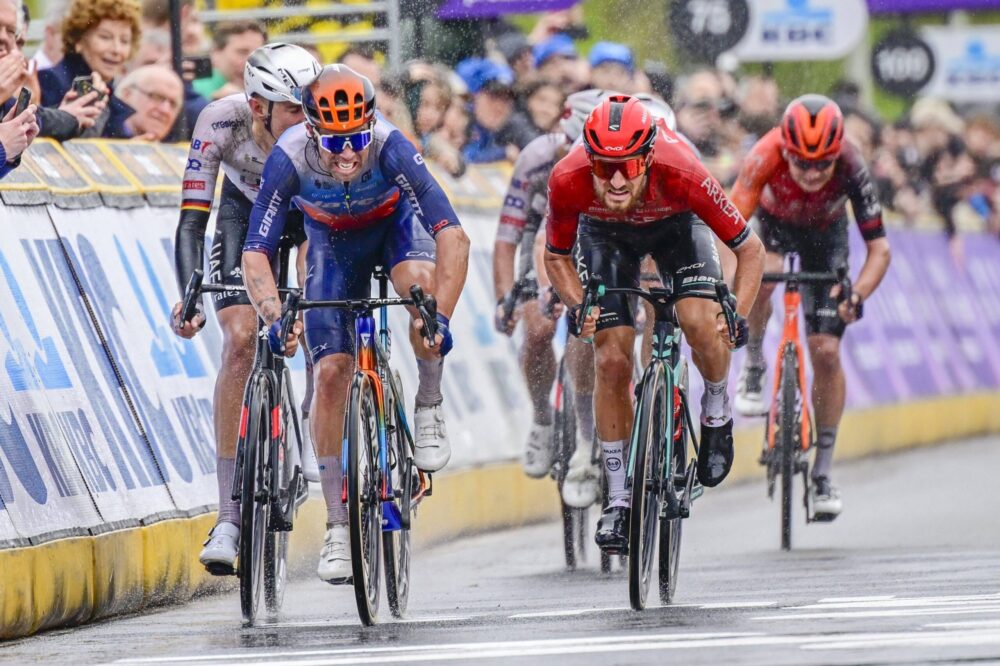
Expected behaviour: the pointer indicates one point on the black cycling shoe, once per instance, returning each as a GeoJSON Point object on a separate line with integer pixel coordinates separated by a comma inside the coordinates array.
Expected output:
{"type": "Point", "coordinates": [612, 530]}
{"type": "Point", "coordinates": [715, 457]}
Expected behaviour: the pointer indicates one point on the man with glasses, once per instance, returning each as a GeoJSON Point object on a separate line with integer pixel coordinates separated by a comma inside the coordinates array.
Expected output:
{"type": "Point", "coordinates": [367, 200]}
{"type": "Point", "coordinates": [156, 93]}
{"type": "Point", "coordinates": [632, 189]}
{"type": "Point", "coordinates": [798, 178]}
{"type": "Point", "coordinates": [234, 135]}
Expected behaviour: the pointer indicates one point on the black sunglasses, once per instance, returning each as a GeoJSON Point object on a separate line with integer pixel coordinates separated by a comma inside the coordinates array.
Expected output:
{"type": "Point", "coordinates": [808, 165]}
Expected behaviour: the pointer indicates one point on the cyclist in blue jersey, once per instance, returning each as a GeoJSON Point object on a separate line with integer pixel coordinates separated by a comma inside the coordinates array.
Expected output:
{"type": "Point", "coordinates": [367, 199]}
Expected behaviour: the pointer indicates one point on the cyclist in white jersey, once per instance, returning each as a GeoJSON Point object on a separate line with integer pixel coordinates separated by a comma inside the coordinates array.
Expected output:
{"type": "Point", "coordinates": [235, 135]}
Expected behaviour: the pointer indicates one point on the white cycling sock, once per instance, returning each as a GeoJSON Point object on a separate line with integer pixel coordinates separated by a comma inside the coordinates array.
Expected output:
{"type": "Point", "coordinates": [715, 409]}
{"type": "Point", "coordinates": [614, 469]}
{"type": "Point", "coordinates": [331, 478]}
{"type": "Point", "coordinates": [229, 509]}
{"type": "Point", "coordinates": [429, 384]}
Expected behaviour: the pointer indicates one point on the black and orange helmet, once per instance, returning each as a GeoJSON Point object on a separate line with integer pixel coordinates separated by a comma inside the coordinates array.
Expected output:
{"type": "Point", "coordinates": [339, 101]}
{"type": "Point", "coordinates": [813, 127]}
{"type": "Point", "coordinates": [619, 127]}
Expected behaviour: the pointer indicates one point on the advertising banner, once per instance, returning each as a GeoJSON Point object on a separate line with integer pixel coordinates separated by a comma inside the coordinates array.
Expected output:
{"type": "Point", "coordinates": [466, 9]}
{"type": "Point", "coordinates": [802, 30]}
{"type": "Point", "coordinates": [912, 6]}
{"type": "Point", "coordinates": [967, 62]}
{"type": "Point", "coordinates": [125, 260]}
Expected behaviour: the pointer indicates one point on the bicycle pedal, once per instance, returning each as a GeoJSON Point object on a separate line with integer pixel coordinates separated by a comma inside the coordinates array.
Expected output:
{"type": "Point", "coordinates": [220, 569]}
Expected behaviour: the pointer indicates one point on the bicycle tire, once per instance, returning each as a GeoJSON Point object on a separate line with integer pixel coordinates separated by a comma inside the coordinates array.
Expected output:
{"type": "Point", "coordinates": [670, 529]}
{"type": "Point", "coordinates": [605, 558]}
{"type": "Point", "coordinates": [564, 431]}
{"type": "Point", "coordinates": [786, 439]}
{"type": "Point", "coordinates": [396, 543]}
{"type": "Point", "coordinates": [276, 543]}
{"type": "Point", "coordinates": [254, 511]}
{"type": "Point", "coordinates": [648, 433]}
{"type": "Point", "coordinates": [363, 503]}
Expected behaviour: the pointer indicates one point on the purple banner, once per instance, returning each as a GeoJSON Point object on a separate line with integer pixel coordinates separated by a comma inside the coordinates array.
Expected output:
{"type": "Point", "coordinates": [912, 6]}
{"type": "Point", "coordinates": [466, 9]}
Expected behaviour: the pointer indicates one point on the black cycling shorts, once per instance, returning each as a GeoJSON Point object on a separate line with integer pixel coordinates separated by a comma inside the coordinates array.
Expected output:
{"type": "Point", "coordinates": [819, 250]}
{"type": "Point", "coordinates": [226, 259]}
{"type": "Point", "coordinates": [682, 246]}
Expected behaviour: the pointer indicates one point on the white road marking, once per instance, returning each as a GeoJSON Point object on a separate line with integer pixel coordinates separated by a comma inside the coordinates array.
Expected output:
{"type": "Point", "coordinates": [909, 640]}
{"type": "Point", "coordinates": [738, 604]}
{"type": "Point", "coordinates": [890, 602]}
{"type": "Point", "coordinates": [564, 613]}
{"type": "Point", "coordinates": [842, 600]}
{"type": "Point", "coordinates": [901, 612]}
{"type": "Point", "coordinates": [968, 624]}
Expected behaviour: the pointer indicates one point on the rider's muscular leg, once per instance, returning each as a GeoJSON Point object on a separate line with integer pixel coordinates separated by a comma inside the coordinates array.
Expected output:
{"type": "Point", "coordinates": [538, 360]}
{"type": "Point", "coordinates": [580, 359]}
{"type": "Point", "coordinates": [331, 381]}
{"type": "Point", "coordinates": [829, 392]}
{"type": "Point", "coordinates": [699, 319]}
{"type": "Point", "coordinates": [613, 404]}
{"type": "Point", "coordinates": [239, 330]}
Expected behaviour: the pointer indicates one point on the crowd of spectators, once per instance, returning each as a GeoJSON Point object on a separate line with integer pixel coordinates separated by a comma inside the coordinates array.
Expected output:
{"type": "Point", "coordinates": [483, 108]}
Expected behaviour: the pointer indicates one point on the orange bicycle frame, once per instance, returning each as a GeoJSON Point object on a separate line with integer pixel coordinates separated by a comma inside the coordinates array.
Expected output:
{"type": "Point", "coordinates": [790, 336]}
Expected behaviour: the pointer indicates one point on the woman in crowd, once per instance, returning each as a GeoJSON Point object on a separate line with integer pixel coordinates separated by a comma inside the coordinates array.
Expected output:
{"type": "Point", "coordinates": [99, 37]}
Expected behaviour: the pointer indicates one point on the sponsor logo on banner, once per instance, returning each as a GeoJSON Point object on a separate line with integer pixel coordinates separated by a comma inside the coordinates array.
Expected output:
{"type": "Point", "coordinates": [802, 30]}
{"type": "Point", "coordinates": [968, 63]}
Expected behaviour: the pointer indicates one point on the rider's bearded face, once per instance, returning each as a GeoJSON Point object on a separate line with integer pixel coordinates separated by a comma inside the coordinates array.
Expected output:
{"type": "Point", "coordinates": [619, 193]}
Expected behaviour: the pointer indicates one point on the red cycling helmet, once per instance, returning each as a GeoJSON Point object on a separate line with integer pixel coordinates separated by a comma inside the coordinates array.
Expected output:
{"type": "Point", "coordinates": [812, 127]}
{"type": "Point", "coordinates": [619, 127]}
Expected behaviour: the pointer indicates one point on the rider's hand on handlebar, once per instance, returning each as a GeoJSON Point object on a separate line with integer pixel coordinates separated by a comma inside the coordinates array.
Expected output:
{"type": "Point", "coordinates": [443, 341]}
{"type": "Point", "coordinates": [851, 309]}
{"type": "Point", "coordinates": [742, 331]}
{"type": "Point", "coordinates": [549, 304]}
{"type": "Point", "coordinates": [290, 345]}
{"type": "Point", "coordinates": [187, 329]}
{"type": "Point", "coordinates": [589, 322]}
{"type": "Point", "coordinates": [503, 325]}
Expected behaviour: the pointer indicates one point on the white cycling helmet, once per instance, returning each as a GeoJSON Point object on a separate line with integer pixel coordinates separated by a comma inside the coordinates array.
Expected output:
{"type": "Point", "coordinates": [659, 108]}
{"type": "Point", "coordinates": [576, 109]}
{"type": "Point", "coordinates": [277, 72]}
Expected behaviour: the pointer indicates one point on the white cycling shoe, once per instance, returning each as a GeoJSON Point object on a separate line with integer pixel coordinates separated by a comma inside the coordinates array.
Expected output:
{"type": "Point", "coordinates": [538, 451]}
{"type": "Point", "coordinates": [310, 466]}
{"type": "Point", "coordinates": [335, 557]}
{"type": "Point", "coordinates": [219, 554]}
{"type": "Point", "coordinates": [583, 481]}
{"type": "Point", "coordinates": [750, 392]}
{"type": "Point", "coordinates": [431, 449]}
{"type": "Point", "coordinates": [825, 499]}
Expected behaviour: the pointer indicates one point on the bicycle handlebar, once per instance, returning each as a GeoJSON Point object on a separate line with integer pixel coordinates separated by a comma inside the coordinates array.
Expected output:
{"type": "Point", "coordinates": [191, 295]}
{"type": "Point", "coordinates": [840, 276]}
{"type": "Point", "coordinates": [427, 308]}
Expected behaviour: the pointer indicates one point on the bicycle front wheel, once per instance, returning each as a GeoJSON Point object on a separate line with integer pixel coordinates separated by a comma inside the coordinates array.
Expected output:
{"type": "Point", "coordinates": [396, 543]}
{"type": "Point", "coordinates": [363, 502]}
{"type": "Point", "coordinates": [787, 430]}
{"type": "Point", "coordinates": [254, 508]}
{"type": "Point", "coordinates": [647, 471]}
{"type": "Point", "coordinates": [670, 529]}
{"type": "Point", "coordinates": [276, 542]}
{"type": "Point", "coordinates": [574, 520]}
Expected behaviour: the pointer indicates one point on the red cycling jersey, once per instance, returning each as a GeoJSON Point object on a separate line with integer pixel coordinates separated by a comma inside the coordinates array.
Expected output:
{"type": "Point", "coordinates": [678, 183]}
{"type": "Point", "coordinates": [765, 180]}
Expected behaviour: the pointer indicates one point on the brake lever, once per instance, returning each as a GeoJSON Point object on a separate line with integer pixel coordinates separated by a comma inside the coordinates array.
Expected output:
{"type": "Point", "coordinates": [595, 289]}
{"type": "Point", "coordinates": [728, 303]}
{"type": "Point", "coordinates": [191, 295]}
{"type": "Point", "coordinates": [288, 313]}
{"type": "Point", "coordinates": [427, 308]}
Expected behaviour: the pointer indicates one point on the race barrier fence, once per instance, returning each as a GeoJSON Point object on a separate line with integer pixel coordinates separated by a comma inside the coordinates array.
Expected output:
{"type": "Point", "coordinates": [107, 455]}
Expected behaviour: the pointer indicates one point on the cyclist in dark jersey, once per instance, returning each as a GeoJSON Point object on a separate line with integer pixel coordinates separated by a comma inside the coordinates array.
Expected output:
{"type": "Point", "coordinates": [234, 135]}
{"type": "Point", "coordinates": [798, 178]}
{"type": "Point", "coordinates": [634, 189]}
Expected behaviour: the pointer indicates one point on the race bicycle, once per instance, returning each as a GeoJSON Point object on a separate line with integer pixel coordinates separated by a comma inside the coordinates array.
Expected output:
{"type": "Point", "coordinates": [382, 487]}
{"type": "Point", "coordinates": [789, 434]}
{"type": "Point", "coordinates": [662, 481]}
{"type": "Point", "coordinates": [268, 480]}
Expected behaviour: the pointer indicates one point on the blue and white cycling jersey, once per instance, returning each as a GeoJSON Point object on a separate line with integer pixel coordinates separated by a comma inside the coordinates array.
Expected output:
{"type": "Point", "coordinates": [393, 181]}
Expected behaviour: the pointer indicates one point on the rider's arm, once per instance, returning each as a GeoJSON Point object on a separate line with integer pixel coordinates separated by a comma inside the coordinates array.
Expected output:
{"type": "Point", "coordinates": [709, 202]}
{"type": "Point", "coordinates": [513, 218]}
{"type": "Point", "coordinates": [561, 221]}
{"type": "Point", "coordinates": [204, 157]}
{"type": "Point", "coordinates": [267, 222]}
{"type": "Point", "coordinates": [756, 170]}
{"type": "Point", "coordinates": [402, 164]}
{"type": "Point", "coordinates": [868, 214]}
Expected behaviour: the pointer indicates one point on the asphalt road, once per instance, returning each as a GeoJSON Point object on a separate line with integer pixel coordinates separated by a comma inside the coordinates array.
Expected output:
{"type": "Point", "coordinates": [910, 573]}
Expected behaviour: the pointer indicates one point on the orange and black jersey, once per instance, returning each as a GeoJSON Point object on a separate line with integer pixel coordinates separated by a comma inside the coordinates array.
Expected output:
{"type": "Point", "coordinates": [765, 181]}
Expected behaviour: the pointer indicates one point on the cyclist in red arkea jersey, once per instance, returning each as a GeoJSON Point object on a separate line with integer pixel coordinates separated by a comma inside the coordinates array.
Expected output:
{"type": "Point", "coordinates": [634, 189]}
{"type": "Point", "coordinates": [798, 178]}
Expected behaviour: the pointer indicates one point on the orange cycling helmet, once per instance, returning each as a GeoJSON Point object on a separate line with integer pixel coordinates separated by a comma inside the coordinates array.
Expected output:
{"type": "Point", "coordinates": [813, 127]}
{"type": "Point", "coordinates": [619, 127]}
{"type": "Point", "coordinates": [339, 101]}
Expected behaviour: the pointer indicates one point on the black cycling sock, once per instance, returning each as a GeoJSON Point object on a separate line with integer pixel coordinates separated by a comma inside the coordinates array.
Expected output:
{"type": "Point", "coordinates": [825, 439]}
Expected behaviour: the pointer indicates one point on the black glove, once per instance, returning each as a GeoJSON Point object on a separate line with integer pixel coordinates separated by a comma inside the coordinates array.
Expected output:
{"type": "Point", "coordinates": [573, 319]}
{"type": "Point", "coordinates": [742, 331]}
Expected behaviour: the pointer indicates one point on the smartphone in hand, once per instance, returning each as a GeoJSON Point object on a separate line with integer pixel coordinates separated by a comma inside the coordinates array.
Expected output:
{"type": "Point", "coordinates": [200, 66]}
{"type": "Point", "coordinates": [85, 84]}
{"type": "Point", "coordinates": [23, 100]}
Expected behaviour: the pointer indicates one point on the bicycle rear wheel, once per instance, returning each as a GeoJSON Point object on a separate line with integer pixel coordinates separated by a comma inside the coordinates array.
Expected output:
{"type": "Point", "coordinates": [574, 519]}
{"type": "Point", "coordinates": [670, 529]}
{"type": "Point", "coordinates": [787, 429]}
{"type": "Point", "coordinates": [363, 503]}
{"type": "Point", "coordinates": [647, 470]}
{"type": "Point", "coordinates": [396, 543]}
{"type": "Point", "coordinates": [254, 508]}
